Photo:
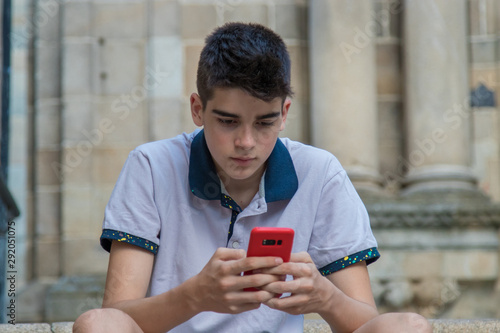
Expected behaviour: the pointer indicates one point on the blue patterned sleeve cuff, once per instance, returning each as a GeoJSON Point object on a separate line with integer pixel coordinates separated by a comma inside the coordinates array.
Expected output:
{"type": "Point", "coordinates": [109, 235]}
{"type": "Point", "coordinates": [369, 255]}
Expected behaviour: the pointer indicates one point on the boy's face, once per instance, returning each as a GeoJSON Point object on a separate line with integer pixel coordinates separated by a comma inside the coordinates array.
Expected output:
{"type": "Point", "coordinates": [240, 131]}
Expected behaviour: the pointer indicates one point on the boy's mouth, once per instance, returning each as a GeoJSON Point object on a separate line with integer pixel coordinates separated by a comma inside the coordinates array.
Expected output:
{"type": "Point", "coordinates": [242, 160]}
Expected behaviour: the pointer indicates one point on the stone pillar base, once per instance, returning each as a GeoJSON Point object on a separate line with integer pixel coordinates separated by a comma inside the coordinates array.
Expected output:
{"type": "Point", "coordinates": [445, 183]}
{"type": "Point", "coordinates": [450, 177]}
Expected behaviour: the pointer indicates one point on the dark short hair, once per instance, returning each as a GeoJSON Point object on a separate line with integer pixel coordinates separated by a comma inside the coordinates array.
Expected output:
{"type": "Point", "coordinates": [246, 56]}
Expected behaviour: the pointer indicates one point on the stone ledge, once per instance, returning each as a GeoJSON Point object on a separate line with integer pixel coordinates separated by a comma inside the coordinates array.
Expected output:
{"type": "Point", "coordinates": [310, 326]}
{"type": "Point", "coordinates": [465, 325]}
{"type": "Point", "coordinates": [438, 326]}
{"type": "Point", "coordinates": [62, 327]}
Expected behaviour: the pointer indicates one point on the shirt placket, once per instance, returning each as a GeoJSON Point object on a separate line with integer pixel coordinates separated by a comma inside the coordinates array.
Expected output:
{"type": "Point", "coordinates": [228, 202]}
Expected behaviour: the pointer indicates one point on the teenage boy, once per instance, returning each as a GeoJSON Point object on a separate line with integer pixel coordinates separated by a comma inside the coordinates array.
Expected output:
{"type": "Point", "coordinates": [181, 213]}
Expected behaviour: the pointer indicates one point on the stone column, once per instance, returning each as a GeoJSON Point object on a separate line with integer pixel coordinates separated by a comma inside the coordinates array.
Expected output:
{"type": "Point", "coordinates": [343, 86]}
{"type": "Point", "coordinates": [437, 100]}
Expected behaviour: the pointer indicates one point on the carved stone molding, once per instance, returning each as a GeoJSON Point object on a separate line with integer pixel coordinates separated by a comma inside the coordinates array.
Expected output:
{"type": "Point", "coordinates": [429, 296]}
{"type": "Point", "coordinates": [442, 215]}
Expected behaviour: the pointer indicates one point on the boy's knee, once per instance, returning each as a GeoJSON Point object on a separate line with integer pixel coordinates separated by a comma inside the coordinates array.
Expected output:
{"type": "Point", "coordinates": [399, 322]}
{"type": "Point", "coordinates": [101, 320]}
{"type": "Point", "coordinates": [417, 323]}
{"type": "Point", "coordinates": [86, 321]}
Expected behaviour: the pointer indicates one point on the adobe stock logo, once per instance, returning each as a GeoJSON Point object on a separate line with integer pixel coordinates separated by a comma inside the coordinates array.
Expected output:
{"type": "Point", "coordinates": [364, 36]}
{"type": "Point", "coordinates": [46, 10]}
{"type": "Point", "coordinates": [454, 119]}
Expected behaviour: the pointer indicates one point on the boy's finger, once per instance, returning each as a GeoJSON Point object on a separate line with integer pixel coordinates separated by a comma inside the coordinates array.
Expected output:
{"type": "Point", "coordinates": [259, 296]}
{"type": "Point", "coordinates": [296, 269]}
{"type": "Point", "coordinates": [223, 253]}
{"type": "Point", "coordinates": [286, 303]}
{"type": "Point", "coordinates": [256, 280]}
{"type": "Point", "coordinates": [252, 263]}
{"type": "Point", "coordinates": [301, 257]}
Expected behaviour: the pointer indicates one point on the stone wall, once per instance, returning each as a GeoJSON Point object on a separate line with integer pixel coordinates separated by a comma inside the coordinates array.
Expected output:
{"type": "Point", "coordinates": [438, 259]}
{"type": "Point", "coordinates": [94, 79]}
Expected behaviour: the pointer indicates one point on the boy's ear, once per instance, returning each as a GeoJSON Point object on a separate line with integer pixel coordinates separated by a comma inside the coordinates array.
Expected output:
{"type": "Point", "coordinates": [284, 112]}
{"type": "Point", "coordinates": [196, 109]}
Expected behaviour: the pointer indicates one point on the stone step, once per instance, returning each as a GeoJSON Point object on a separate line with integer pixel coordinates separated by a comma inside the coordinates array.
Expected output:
{"type": "Point", "coordinates": [438, 326]}
{"type": "Point", "coordinates": [310, 326]}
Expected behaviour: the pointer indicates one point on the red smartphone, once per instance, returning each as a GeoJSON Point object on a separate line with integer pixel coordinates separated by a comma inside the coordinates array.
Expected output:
{"type": "Point", "coordinates": [270, 242]}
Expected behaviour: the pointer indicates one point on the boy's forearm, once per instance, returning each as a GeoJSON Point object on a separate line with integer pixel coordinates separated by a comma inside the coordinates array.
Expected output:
{"type": "Point", "coordinates": [162, 312]}
{"type": "Point", "coordinates": [345, 314]}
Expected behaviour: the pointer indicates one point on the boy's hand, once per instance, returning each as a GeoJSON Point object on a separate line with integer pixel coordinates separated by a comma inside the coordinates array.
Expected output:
{"type": "Point", "coordinates": [310, 291]}
{"type": "Point", "coordinates": [219, 286]}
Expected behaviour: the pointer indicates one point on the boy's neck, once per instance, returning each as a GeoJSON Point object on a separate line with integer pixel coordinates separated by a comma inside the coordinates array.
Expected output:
{"type": "Point", "coordinates": [243, 190]}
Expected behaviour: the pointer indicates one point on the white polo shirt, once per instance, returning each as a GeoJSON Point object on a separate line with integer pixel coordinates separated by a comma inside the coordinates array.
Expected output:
{"type": "Point", "coordinates": [168, 199]}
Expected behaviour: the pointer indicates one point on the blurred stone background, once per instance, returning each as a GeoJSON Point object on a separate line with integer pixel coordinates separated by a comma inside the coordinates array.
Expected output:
{"type": "Point", "coordinates": [403, 92]}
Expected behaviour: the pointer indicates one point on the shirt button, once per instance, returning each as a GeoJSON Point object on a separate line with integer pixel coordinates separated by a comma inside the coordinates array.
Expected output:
{"type": "Point", "coordinates": [236, 245]}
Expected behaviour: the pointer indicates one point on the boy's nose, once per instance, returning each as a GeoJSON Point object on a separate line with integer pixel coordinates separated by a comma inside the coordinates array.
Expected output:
{"type": "Point", "coordinates": [245, 139]}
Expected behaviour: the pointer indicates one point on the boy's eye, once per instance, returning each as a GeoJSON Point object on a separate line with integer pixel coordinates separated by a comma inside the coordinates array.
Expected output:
{"type": "Point", "coordinates": [226, 121]}
{"type": "Point", "coordinates": [232, 122]}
